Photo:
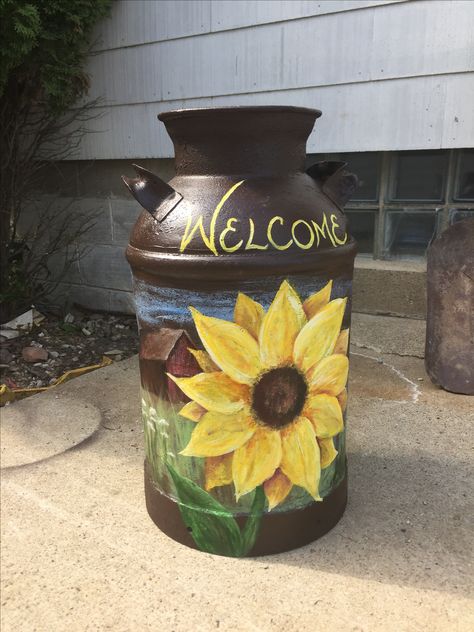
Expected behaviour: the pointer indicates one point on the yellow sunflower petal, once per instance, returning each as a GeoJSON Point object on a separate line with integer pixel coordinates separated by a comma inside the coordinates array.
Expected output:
{"type": "Point", "coordinates": [342, 343]}
{"type": "Point", "coordinates": [324, 412]}
{"type": "Point", "coordinates": [318, 337]}
{"type": "Point", "coordinates": [218, 471]}
{"type": "Point", "coordinates": [214, 391]}
{"type": "Point", "coordinates": [277, 489]}
{"type": "Point", "coordinates": [314, 303]}
{"type": "Point", "coordinates": [248, 314]}
{"type": "Point", "coordinates": [328, 376]}
{"type": "Point", "coordinates": [256, 461]}
{"type": "Point", "coordinates": [230, 346]}
{"type": "Point", "coordinates": [217, 434]}
{"type": "Point", "coordinates": [301, 457]}
{"type": "Point", "coordinates": [204, 360]}
{"type": "Point", "coordinates": [328, 452]}
{"type": "Point", "coordinates": [280, 327]}
{"type": "Point", "coordinates": [192, 411]}
{"type": "Point", "coordinates": [342, 399]}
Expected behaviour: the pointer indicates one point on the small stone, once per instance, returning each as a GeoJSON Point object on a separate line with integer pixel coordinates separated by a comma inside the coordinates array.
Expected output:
{"type": "Point", "coordinates": [86, 331]}
{"type": "Point", "coordinates": [69, 318]}
{"type": "Point", "coordinates": [33, 343]}
{"type": "Point", "coordinates": [34, 354]}
{"type": "Point", "coordinates": [113, 352]}
{"type": "Point", "coordinates": [75, 359]}
{"type": "Point", "coordinates": [5, 356]}
{"type": "Point", "coordinates": [54, 354]}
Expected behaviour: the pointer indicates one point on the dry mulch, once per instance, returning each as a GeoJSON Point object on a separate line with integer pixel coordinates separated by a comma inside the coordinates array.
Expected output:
{"type": "Point", "coordinates": [80, 339]}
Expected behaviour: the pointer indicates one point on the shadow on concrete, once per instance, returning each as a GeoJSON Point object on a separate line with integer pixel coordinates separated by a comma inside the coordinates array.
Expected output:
{"type": "Point", "coordinates": [407, 522]}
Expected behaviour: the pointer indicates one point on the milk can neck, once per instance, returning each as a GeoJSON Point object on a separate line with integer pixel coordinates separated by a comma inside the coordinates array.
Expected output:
{"type": "Point", "coordinates": [222, 156]}
{"type": "Point", "coordinates": [264, 141]}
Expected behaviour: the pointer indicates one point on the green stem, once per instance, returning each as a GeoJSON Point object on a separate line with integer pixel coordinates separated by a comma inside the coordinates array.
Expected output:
{"type": "Point", "coordinates": [250, 531]}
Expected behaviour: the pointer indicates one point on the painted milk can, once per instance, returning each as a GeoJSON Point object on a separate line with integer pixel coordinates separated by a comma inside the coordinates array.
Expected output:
{"type": "Point", "coordinates": [242, 269]}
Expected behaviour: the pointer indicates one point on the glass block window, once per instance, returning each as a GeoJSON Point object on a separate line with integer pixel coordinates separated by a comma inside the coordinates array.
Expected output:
{"type": "Point", "coordinates": [458, 214]}
{"type": "Point", "coordinates": [419, 175]}
{"type": "Point", "coordinates": [406, 198]}
{"type": "Point", "coordinates": [362, 227]}
{"type": "Point", "coordinates": [465, 176]}
{"type": "Point", "coordinates": [367, 168]}
{"type": "Point", "coordinates": [409, 233]}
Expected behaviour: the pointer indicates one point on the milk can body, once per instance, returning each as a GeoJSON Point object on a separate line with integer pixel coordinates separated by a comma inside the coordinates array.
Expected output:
{"type": "Point", "coordinates": [242, 269]}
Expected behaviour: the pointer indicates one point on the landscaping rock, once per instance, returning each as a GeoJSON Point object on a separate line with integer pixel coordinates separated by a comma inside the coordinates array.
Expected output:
{"type": "Point", "coordinates": [68, 347]}
{"type": "Point", "coordinates": [34, 354]}
{"type": "Point", "coordinates": [5, 356]}
{"type": "Point", "coordinates": [113, 352]}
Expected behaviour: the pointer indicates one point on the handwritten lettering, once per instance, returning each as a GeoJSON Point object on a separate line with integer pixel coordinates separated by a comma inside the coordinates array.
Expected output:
{"type": "Point", "coordinates": [250, 245]}
{"type": "Point", "coordinates": [273, 221]}
{"type": "Point", "coordinates": [229, 228]}
{"type": "Point", "coordinates": [300, 244]}
{"type": "Point", "coordinates": [209, 241]}
{"type": "Point", "coordinates": [304, 234]}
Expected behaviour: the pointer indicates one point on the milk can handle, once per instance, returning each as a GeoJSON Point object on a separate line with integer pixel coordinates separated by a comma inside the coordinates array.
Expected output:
{"type": "Point", "coordinates": [335, 181]}
{"type": "Point", "coordinates": [153, 193]}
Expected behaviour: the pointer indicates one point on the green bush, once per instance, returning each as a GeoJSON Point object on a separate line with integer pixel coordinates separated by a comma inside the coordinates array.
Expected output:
{"type": "Point", "coordinates": [43, 48]}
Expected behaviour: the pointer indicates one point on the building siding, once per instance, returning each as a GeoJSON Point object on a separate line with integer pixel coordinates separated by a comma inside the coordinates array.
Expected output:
{"type": "Point", "coordinates": [387, 75]}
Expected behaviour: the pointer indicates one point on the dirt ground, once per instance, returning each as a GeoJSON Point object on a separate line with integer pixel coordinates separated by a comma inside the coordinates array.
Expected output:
{"type": "Point", "coordinates": [78, 340]}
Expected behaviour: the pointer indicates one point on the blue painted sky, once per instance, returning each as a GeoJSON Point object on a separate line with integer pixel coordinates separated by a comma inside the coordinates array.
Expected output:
{"type": "Point", "coordinates": [154, 304]}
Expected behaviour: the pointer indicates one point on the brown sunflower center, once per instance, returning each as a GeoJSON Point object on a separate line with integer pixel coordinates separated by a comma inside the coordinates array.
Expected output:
{"type": "Point", "coordinates": [279, 396]}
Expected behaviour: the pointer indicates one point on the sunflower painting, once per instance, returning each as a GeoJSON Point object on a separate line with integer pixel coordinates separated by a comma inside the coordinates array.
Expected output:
{"type": "Point", "coordinates": [271, 393]}
{"type": "Point", "coordinates": [266, 407]}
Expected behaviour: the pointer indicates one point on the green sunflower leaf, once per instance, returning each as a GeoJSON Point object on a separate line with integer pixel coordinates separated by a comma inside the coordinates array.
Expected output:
{"type": "Point", "coordinates": [340, 460]}
{"type": "Point", "coordinates": [252, 525]}
{"type": "Point", "coordinates": [211, 525]}
{"type": "Point", "coordinates": [327, 479]}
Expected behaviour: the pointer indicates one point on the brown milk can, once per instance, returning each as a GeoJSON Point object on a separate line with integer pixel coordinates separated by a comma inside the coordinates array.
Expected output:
{"type": "Point", "coordinates": [242, 271]}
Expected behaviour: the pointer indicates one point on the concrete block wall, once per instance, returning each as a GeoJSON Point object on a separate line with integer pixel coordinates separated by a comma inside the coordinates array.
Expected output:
{"type": "Point", "coordinates": [101, 279]}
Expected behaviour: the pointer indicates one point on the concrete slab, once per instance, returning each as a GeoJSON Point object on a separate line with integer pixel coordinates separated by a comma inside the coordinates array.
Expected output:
{"type": "Point", "coordinates": [391, 287]}
{"type": "Point", "coordinates": [399, 336]}
{"type": "Point", "coordinates": [80, 553]}
{"type": "Point", "coordinates": [41, 428]}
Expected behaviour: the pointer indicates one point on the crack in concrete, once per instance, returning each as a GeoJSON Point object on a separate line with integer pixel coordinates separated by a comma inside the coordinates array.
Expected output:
{"type": "Point", "coordinates": [378, 350]}
{"type": "Point", "coordinates": [415, 389]}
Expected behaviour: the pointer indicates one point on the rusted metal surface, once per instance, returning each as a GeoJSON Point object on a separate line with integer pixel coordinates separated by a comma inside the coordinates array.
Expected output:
{"type": "Point", "coordinates": [450, 317]}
